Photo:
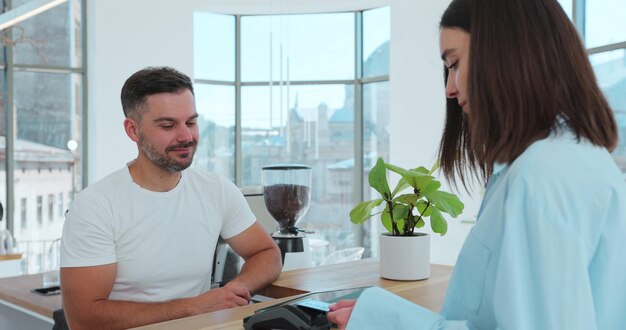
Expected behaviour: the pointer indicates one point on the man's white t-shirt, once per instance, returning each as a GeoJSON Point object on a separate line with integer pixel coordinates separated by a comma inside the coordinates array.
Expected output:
{"type": "Point", "coordinates": [163, 242]}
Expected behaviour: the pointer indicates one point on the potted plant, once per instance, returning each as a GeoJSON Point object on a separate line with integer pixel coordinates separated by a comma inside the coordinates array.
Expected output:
{"type": "Point", "coordinates": [404, 253]}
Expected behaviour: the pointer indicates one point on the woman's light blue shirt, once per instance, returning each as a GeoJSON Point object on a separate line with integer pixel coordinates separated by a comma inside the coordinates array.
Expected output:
{"type": "Point", "coordinates": [548, 250]}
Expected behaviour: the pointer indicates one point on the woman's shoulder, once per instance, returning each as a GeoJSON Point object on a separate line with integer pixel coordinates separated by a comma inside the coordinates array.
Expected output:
{"type": "Point", "coordinates": [565, 160]}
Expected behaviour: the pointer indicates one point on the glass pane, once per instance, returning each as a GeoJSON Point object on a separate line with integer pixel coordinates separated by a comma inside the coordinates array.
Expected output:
{"type": "Point", "coordinates": [604, 22]}
{"type": "Point", "coordinates": [567, 7]}
{"type": "Point", "coordinates": [316, 127]}
{"type": "Point", "coordinates": [216, 109]}
{"type": "Point", "coordinates": [50, 38]}
{"type": "Point", "coordinates": [375, 144]}
{"type": "Point", "coordinates": [214, 46]}
{"type": "Point", "coordinates": [610, 69]}
{"type": "Point", "coordinates": [376, 32]}
{"type": "Point", "coordinates": [46, 150]}
{"type": "Point", "coordinates": [303, 47]}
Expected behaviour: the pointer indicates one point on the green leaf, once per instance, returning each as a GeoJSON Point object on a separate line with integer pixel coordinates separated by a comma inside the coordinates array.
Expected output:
{"type": "Point", "coordinates": [438, 223]}
{"type": "Point", "coordinates": [419, 181]}
{"type": "Point", "coordinates": [385, 218]}
{"type": "Point", "coordinates": [446, 202]}
{"type": "Point", "coordinates": [396, 169]}
{"type": "Point", "coordinates": [421, 169]}
{"type": "Point", "coordinates": [420, 223]}
{"type": "Point", "coordinates": [423, 210]}
{"type": "Point", "coordinates": [378, 179]}
{"type": "Point", "coordinates": [400, 223]}
{"type": "Point", "coordinates": [402, 184]}
{"type": "Point", "coordinates": [363, 210]}
{"type": "Point", "coordinates": [415, 179]}
{"type": "Point", "coordinates": [400, 212]}
{"type": "Point", "coordinates": [406, 199]}
{"type": "Point", "coordinates": [430, 187]}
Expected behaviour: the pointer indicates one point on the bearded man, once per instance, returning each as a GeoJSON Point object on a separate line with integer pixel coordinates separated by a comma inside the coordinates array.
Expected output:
{"type": "Point", "coordinates": [138, 245]}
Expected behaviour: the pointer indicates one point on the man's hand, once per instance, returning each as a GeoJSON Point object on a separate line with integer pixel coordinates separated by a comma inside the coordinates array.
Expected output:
{"type": "Point", "coordinates": [86, 301]}
{"type": "Point", "coordinates": [340, 312]}
{"type": "Point", "coordinates": [229, 296]}
{"type": "Point", "coordinates": [86, 290]}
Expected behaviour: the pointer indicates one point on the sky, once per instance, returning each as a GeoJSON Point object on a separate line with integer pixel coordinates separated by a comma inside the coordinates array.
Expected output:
{"type": "Point", "coordinates": [305, 47]}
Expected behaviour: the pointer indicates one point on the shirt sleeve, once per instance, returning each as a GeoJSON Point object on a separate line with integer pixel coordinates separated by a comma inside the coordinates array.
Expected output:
{"type": "Point", "coordinates": [237, 214]}
{"type": "Point", "coordinates": [88, 238]}
{"type": "Point", "coordinates": [377, 308]}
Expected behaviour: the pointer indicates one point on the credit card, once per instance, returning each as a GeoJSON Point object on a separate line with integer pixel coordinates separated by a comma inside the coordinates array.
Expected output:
{"type": "Point", "coordinates": [315, 304]}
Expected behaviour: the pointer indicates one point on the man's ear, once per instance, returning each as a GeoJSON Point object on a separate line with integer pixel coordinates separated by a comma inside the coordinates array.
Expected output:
{"type": "Point", "coordinates": [132, 129]}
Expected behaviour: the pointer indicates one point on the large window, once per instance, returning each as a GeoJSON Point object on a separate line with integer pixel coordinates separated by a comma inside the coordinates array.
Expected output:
{"type": "Point", "coordinates": [610, 68]}
{"type": "Point", "coordinates": [603, 29]}
{"type": "Point", "coordinates": [298, 88]}
{"type": "Point", "coordinates": [41, 135]}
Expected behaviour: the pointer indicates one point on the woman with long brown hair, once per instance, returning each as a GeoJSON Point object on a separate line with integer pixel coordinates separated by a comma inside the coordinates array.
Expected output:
{"type": "Point", "coordinates": [526, 116]}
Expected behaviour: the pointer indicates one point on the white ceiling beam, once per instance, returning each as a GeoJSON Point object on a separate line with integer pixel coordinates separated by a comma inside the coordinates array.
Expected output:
{"type": "Point", "coordinates": [26, 11]}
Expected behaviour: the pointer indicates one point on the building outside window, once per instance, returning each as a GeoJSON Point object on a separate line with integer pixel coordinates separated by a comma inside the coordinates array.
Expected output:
{"type": "Point", "coordinates": [42, 79]}
{"type": "Point", "coordinates": [23, 213]}
{"type": "Point", "coordinates": [60, 207]}
{"type": "Point", "coordinates": [605, 38]}
{"type": "Point", "coordinates": [308, 88]}
{"type": "Point", "coordinates": [39, 210]}
{"type": "Point", "coordinates": [51, 207]}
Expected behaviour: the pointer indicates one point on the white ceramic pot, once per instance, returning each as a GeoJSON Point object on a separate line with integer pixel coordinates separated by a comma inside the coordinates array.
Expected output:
{"type": "Point", "coordinates": [405, 258]}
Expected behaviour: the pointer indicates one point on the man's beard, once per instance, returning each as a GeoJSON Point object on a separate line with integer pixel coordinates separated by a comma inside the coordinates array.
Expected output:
{"type": "Point", "coordinates": [162, 160]}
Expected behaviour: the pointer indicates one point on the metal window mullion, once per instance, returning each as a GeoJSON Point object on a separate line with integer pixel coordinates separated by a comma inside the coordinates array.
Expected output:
{"type": "Point", "coordinates": [291, 82]}
{"type": "Point", "coordinates": [579, 16]}
{"type": "Point", "coordinates": [10, 131]}
{"type": "Point", "coordinates": [238, 129]}
{"type": "Point", "coordinates": [214, 82]}
{"type": "Point", "coordinates": [366, 80]}
{"type": "Point", "coordinates": [301, 82]}
{"type": "Point", "coordinates": [84, 130]}
{"type": "Point", "coordinates": [358, 122]}
{"type": "Point", "coordinates": [46, 69]}
{"type": "Point", "coordinates": [606, 48]}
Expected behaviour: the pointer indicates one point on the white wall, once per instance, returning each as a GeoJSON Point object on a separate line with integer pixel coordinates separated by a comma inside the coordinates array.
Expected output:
{"type": "Point", "coordinates": [418, 107]}
{"type": "Point", "coordinates": [124, 36]}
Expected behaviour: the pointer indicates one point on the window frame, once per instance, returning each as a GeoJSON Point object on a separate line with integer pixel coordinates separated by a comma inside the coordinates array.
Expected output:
{"type": "Point", "coordinates": [9, 67]}
{"type": "Point", "coordinates": [579, 20]}
{"type": "Point", "coordinates": [358, 81]}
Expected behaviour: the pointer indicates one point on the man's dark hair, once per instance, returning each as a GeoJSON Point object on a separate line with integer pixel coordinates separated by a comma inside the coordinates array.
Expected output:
{"type": "Point", "coordinates": [527, 67]}
{"type": "Point", "coordinates": [150, 81]}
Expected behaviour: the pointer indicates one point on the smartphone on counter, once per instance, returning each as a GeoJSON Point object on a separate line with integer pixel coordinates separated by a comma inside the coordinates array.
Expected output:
{"type": "Point", "coordinates": [49, 291]}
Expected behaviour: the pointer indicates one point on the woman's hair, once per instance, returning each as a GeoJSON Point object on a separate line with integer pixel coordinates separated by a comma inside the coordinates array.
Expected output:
{"type": "Point", "coordinates": [527, 66]}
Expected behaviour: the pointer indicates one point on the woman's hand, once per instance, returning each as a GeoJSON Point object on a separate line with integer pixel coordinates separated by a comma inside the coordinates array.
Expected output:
{"type": "Point", "coordinates": [339, 313]}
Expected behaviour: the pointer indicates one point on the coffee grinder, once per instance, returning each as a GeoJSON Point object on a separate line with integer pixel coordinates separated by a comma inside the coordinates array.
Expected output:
{"type": "Point", "coordinates": [287, 194]}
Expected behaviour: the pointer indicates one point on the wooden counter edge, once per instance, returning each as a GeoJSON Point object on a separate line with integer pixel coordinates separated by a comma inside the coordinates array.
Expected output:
{"type": "Point", "coordinates": [11, 256]}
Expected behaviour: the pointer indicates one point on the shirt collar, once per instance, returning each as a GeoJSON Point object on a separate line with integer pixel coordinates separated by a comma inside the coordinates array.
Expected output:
{"type": "Point", "coordinates": [561, 122]}
{"type": "Point", "coordinates": [498, 167]}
